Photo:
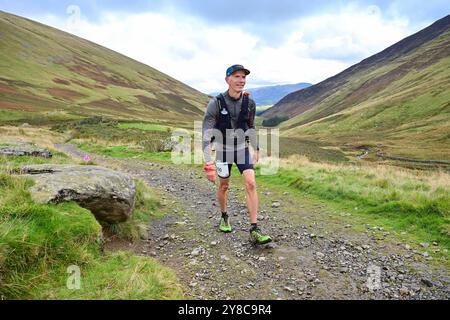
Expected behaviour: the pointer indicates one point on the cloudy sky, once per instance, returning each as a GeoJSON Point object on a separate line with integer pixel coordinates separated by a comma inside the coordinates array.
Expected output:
{"type": "Point", "coordinates": [280, 41]}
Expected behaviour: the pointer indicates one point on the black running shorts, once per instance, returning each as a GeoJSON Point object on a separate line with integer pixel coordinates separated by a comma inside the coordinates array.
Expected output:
{"type": "Point", "coordinates": [240, 157]}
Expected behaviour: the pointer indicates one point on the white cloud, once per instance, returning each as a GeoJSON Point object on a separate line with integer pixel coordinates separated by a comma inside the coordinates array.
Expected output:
{"type": "Point", "coordinates": [197, 53]}
{"type": "Point", "coordinates": [352, 33]}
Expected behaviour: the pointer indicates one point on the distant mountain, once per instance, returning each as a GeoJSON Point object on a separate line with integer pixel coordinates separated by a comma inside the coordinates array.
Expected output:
{"type": "Point", "coordinates": [270, 95]}
{"type": "Point", "coordinates": [399, 98]}
{"type": "Point", "coordinates": [45, 69]}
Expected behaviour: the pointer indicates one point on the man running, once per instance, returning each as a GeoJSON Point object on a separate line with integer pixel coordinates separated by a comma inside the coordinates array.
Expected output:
{"type": "Point", "coordinates": [229, 122]}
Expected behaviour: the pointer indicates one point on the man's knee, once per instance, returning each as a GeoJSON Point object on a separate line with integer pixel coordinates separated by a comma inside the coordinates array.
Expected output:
{"type": "Point", "coordinates": [250, 182]}
{"type": "Point", "coordinates": [251, 185]}
{"type": "Point", "coordinates": [224, 185]}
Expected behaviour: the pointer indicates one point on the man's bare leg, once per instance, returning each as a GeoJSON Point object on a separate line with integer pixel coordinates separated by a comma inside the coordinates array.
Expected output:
{"type": "Point", "coordinates": [251, 194]}
{"type": "Point", "coordinates": [222, 193]}
{"type": "Point", "coordinates": [256, 235]}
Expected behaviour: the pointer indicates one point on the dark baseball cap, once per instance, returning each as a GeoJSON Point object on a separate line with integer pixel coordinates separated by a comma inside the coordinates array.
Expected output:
{"type": "Point", "coordinates": [235, 68]}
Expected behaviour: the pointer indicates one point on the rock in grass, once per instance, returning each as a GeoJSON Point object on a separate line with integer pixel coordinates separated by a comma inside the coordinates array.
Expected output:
{"type": "Point", "coordinates": [404, 291]}
{"type": "Point", "coordinates": [143, 232]}
{"type": "Point", "coordinates": [22, 151]}
{"type": "Point", "coordinates": [108, 194]}
{"type": "Point", "coordinates": [427, 282]}
{"type": "Point", "coordinates": [320, 255]}
{"type": "Point", "coordinates": [275, 204]}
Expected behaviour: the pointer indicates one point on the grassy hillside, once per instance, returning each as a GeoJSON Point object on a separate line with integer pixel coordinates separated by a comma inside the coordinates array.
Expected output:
{"type": "Point", "coordinates": [396, 102]}
{"type": "Point", "coordinates": [44, 70]}
{"type": "Point", "coordinates": [404, 200]}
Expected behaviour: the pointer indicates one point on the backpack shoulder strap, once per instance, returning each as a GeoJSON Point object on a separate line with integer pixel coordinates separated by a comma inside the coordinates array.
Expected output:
{"type": "Point", "coordinates": [221, 102]}
{"type": "Point", "coordinates": [244, 114]}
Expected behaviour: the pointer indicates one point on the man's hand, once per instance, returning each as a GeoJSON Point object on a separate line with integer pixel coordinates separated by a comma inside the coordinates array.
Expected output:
{"type": "Point", "coordinates": [255, 156]}
{"type": "Point", "coordinates": [210, 170]}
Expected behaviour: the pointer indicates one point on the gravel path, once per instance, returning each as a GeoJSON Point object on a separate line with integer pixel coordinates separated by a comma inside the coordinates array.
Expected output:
{"type": "Point", "coordinates": [310, 257]}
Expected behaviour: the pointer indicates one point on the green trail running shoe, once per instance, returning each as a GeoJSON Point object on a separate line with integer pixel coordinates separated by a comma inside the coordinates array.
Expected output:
{"type": "Point", "coordinates": [224, 225]}
{"type": "Point", "coordinates": [256, 236]}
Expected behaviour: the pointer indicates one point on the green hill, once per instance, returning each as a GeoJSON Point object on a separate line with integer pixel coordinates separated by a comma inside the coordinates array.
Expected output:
{"type": "Point", "coordinates": [397, 101]}
{"type": "Point", "coordinates": [43, 70]}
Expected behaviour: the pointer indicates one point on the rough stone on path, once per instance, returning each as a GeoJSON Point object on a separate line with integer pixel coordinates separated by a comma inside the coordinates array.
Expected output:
{"type": "Point", "coordinates": [23, 151]}
{"type": "Point", "coordinates": [108, 194]}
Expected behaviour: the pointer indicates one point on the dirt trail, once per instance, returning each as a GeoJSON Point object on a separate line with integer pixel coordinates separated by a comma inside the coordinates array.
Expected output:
{"type": "Point", "coordinates": [310, 257]}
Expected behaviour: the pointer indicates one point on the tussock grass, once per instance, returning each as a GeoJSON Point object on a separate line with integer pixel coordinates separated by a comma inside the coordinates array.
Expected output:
{"type": "Point", "coordinates": [35, 238]}
{"type": "Point", "coordinates": [407, 200]}
{"type": "Point", "coordinates": [146, 210]}
{"type": "Point", "coordinates": [12, 163]}
{"type": "Point", "coordinates": [146, 137]}
{"type": "Point", "coordinates": [124, 151]}
{"type": "Point", "coordinates": [13, 117]}
{"type": "Point", "coordinates": [119, 275]}
{"type": "Point", "coordinates": [144, 126]}
{"type": "Point", "coordinates": [42, 137]}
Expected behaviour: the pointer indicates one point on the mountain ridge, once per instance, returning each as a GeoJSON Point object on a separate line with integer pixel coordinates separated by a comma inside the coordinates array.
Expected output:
{"type": "Point", "coordinates": [394, 51]}
{"type": "Point", "coordinates": [398, 106]}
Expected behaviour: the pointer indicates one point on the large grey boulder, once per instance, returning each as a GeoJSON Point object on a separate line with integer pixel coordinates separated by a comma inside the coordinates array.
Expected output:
{"type": "Point", "coordinates": [108, 194]}
{"type": "Point", "coordinates": [23, 151]}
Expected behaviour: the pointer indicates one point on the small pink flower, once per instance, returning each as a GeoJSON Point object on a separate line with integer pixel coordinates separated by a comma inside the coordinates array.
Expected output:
{"type": "Point", "coordinates": [87, 158]}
